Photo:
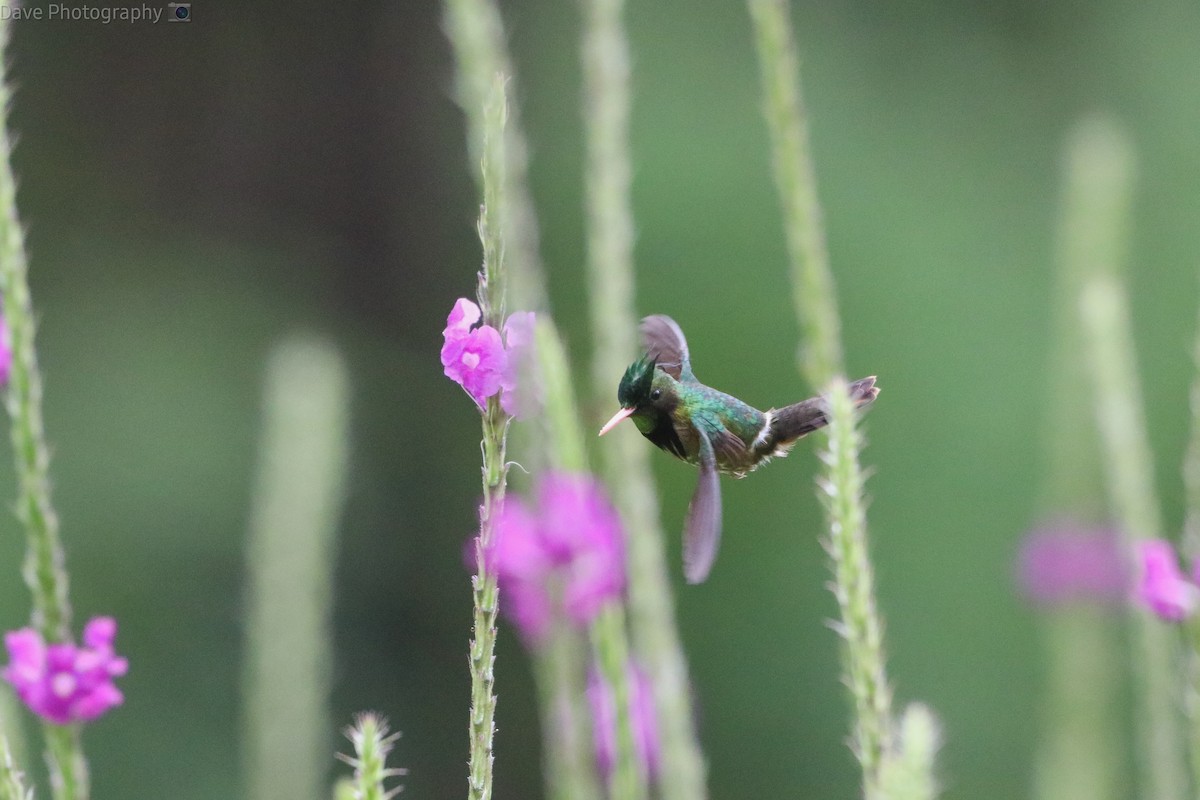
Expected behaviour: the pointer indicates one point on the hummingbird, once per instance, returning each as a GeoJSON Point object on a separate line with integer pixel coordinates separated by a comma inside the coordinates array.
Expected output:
{"type": "Point", "coordinates": [715, 431]}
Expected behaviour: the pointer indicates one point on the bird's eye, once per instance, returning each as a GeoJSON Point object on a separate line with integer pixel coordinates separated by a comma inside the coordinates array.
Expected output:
{"type": "Point", "coordinates": [657, 393]}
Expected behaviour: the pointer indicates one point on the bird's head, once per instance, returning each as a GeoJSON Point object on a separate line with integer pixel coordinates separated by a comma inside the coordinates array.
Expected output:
{"type": "Point", "coordinates": [641, 395]}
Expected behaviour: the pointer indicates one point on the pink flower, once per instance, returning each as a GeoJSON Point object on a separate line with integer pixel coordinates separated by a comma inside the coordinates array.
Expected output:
{"type": "Point", "coordinates": [63, 683]}
{"type": "Point", "coordinates": [1070, 562]}
{"type": "Point", "coordinates": [566, 556]}
{"type": "Point", "coordinates": [6, 353]}
{"type": "Point", "coordinates": [473, 357]}
{"type": "Point", "coordinates": [515, 398]}
{"type": "Point", "coordinates": [482, 361]}
{"type": "Point", "coordinates": [643, 719]}
{"type": "Point", "coordinates": [1163, 588]}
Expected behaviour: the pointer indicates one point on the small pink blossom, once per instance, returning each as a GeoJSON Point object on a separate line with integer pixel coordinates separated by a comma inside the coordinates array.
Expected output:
{"type": "Point", "coordinates": [566, 555]}
{"type": "Point", "coordinates": [1163, 588]}
{"type": "Point", "coordinates": [64, 683]}
{"type": "Point", "coordinates": [515, 398]}
{"type": "Point", "coordinates": [1070, 562]}
{"type": "Point", "coordinates": [643, 721]}
{"type": "Point", "coordinates": [482, 361]}
{"type": "Point", "coordinates": [6, 354]}
{"type": "Point", "coordinates": [477, 363]}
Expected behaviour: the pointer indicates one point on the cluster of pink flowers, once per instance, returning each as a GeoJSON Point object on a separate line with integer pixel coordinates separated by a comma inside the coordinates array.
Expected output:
{"type": "Point", "coordinates": [62, 682]}
{"type": "Point", "coordinates": [564, 554]}
{"type": "Point", "coordinates": [480, 359]}
{"type": "Point", "coordinates": [642, 715]}
{"type": "Point", "coordinates": [1163, 588]}
{"type": "Point", "coordinates": [1070, 562]}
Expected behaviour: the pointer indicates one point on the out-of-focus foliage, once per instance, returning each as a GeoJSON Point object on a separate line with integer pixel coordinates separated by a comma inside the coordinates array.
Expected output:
{"type": "Point", "coordinates": [195, 191]}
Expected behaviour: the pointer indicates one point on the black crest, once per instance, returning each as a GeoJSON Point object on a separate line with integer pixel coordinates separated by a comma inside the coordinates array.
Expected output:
{"type": "Point", "coordinates": [634, 390]}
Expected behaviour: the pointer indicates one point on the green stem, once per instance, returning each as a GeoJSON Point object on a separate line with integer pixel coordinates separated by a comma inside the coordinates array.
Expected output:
{"type": "Point", "coordinates": [861, 626]}
{"type": "Point", "coordinates": [626, 459]}
{"type": "Point", "coordinates": [812, 280]}
{"type": "Point", "coordinates": [1078, 758]}
{"type": "Point", "coordinates": [854, 588]}
{"type": "Point", "coordinates": [628, 781]}
{"type": "Point", "coordinates": [44, 570]}
{"type": "Point", "coordinates": [567, 737]}
{"type": "Point", "coordinates": [1191, 550]}
{"type": "Point", "coordinates": [12, 780]}
{"type": "Point", "coordinates": [290, 558]}
{"type": "Point", "coordinates": [1101, 164]}
{"type": "Point", "coordinates": [372, 744]}
{"type": "Point", "coordinates": [566, 734]}
{"type": "Point", "coordinates": [1130, 479]}
{"type": "Point", "coordinates": [476, 34]}
{"type": "Point", "coordinates": [495, 435]}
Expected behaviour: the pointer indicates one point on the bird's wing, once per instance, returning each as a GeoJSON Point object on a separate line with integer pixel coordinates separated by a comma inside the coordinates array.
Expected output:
{"type": "Point", "coordinates": [730, 448]}
{"type": "Point", "coordinates": [702, 531]}
{"type": "Point", "coordinates": [664, 342]}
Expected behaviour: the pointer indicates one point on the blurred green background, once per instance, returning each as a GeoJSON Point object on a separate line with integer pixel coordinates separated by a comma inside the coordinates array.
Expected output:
{"type": "Point", "coordinates": [194, 192]}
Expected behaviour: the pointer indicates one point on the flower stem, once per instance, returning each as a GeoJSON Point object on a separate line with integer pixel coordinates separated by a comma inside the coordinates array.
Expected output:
{"type": "Point", "coordinates": [1127, 458]}
{"type": "Point", "coordinates": [1078, 758]}
{"type": "Point", "coordinates": [566, 735]}
{"type": "Point", "coordinates": [44, 570]}
{"type": "Point", "coordinates": [860, 626]}
{"type": "Point", "coordinates": [372, 744]}
{"type": "Point", "coordinates": [1191, 550]}
{"type": "Point", "coordinates": [1106, 164]}
{"type": "Point", "coordinates": [476, 34]}
{"type": "Point", "coordinates": [626, 458]}
{"type": "Point", "coordinates": [628, 781]}
{"type": "Point", "coordinates": [495, 435]}
{"type": "Point", "coordinates": [12, 780]}
{"type": "Point", "coordinates": [297, 501]}
{"type": "Point", "coordinates": [561, 419]}
{"type": "Point", "coordinates": [812, 280]}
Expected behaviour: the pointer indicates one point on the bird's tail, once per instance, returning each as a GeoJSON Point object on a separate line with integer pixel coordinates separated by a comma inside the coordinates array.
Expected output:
{"type": "Point", "coordinates": [791, 422]}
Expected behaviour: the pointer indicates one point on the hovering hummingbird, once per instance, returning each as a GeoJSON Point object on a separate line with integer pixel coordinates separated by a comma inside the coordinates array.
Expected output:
{"type": "Point", "coordinates": [713, 430]}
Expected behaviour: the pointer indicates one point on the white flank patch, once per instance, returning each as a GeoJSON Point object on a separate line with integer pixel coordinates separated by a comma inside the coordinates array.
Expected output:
{"type": "Point", "coordinates": [761, 439]}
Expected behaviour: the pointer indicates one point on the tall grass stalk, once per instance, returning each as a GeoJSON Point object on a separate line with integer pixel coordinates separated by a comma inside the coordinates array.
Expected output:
{"type": "Point", "coordinates": [372, 744]}
{"type": "Point", "coordinates": [614, 332]}
{"type": "Point", "coordinates": [12, 780]}
{"type": "Point", "coordinates": [628, 779]}
{"type": "Point", "coordinates": [491, 295]}
{"type": "Point", "coordinates": [1191, 549]}
{"type": "Point", "coordinates": [608, 633]}
{"type": "Point", "coordinates": [290, 558]}
{"type": "Point", "coordinates": [813, 287]}
{"type": "Point", "coordinates": [476, 33]}
{"type": "Point", "coordinates": [561, 662]}
{"type": "Point", "coordinates": [1130, 478]}
{"type": "Point", "coordinates": [1079, 755]}
{"type": "Point", "coordinates": [559, 669]}
{"type": "Point", "coordinates": [1105, 162]}
{"type": "Point", "coordinates": [44, 570]}
{"type": "Point", "coordinates": [860, 624]}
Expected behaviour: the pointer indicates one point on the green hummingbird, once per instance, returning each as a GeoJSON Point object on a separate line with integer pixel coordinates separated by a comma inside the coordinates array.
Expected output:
{"type": "Point", "coordinates": [713, 430]}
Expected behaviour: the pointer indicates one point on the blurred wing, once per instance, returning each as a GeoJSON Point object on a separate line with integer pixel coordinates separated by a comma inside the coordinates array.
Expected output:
{"type": "Point", "coordinates": [702, 531]}
{"type": "Point", "coordinates": [664, 342]}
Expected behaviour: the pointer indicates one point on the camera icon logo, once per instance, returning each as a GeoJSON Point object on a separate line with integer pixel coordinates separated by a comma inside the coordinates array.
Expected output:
{"type": "Point", "coordinates": [179, 12]}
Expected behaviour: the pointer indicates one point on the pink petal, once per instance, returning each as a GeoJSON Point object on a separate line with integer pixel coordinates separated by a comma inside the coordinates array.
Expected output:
{"type": "Point", "coordinates": [462, 317]}
{"type": "Point", "coordinates": [1163, 589]}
